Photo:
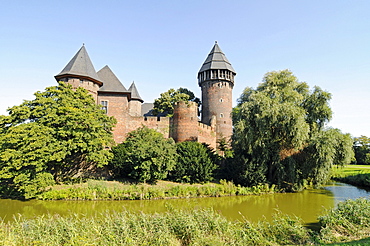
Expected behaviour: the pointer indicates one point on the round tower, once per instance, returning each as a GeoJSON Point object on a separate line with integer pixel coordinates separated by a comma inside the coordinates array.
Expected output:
{"type": "Point", "coordinates": [216, 79]}
{"type": "Point", "coordinates": [185, 122]}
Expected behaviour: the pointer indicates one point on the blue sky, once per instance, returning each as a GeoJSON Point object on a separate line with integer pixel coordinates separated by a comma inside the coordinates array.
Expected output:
{"type": "Point", "coordinates": [162, 45]}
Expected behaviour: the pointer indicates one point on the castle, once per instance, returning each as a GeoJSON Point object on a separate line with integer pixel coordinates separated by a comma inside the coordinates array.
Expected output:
{"type": "Point", "coordinates": [216, 79]}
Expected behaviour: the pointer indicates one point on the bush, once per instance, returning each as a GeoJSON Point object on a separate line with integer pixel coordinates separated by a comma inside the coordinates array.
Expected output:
{"type": "Point", "coordinates": [145, 156]}
{"type": "Point", "coordinates": [194, 163]}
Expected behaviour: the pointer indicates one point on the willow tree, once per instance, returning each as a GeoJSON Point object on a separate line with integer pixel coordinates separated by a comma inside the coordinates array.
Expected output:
{"type": "Point", "coordinates": [274, 125]}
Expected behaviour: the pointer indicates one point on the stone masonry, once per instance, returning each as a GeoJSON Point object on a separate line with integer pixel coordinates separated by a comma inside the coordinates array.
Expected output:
{"type": "Point", "coordinates": [216, 79]}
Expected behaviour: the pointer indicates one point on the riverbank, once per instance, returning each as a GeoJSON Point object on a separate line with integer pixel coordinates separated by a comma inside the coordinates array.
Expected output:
{"type": "Point", "coordinates": [357, 175]}
{"type": "Point", "coordinates": [348, 222]}
{"type": "Point", "coordinates": [113, 190]}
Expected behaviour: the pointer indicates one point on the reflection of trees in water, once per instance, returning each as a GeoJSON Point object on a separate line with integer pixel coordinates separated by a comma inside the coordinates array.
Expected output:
{"type": "Point", "coordinates": [306, 204]}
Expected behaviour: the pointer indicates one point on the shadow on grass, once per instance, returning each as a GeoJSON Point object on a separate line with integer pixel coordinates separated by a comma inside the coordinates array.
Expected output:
{"type": "Point", "coordinates": [362, 242]}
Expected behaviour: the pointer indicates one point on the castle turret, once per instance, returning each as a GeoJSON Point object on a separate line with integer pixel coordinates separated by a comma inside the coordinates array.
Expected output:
{"type": "Point", "coordinates": [216, 79]}
{"type": "Point", "coordinates": [135, 101]}
{"type": "Point", "coordinates": [80, 72]}
{"type": "Point", "coordinates": [185, 122]}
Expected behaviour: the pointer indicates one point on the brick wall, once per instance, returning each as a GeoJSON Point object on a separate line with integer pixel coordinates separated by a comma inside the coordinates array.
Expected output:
{"type": "Point", "coordinates": [88, 85]}
{"type": "Point", "coordinates": [207, 134]}
{"type": "Point", "coordinates": [117, 107]}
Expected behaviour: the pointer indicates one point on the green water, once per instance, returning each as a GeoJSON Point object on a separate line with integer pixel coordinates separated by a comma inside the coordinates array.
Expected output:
{"type": "Point", "coordinates": [307, 205]}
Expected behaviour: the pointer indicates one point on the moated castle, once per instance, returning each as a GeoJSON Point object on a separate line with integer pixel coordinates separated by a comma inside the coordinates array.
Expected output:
{"type": "Point", "coordinates": [215, 77]}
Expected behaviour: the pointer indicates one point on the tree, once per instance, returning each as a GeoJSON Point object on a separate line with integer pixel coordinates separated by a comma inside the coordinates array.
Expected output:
{"type": "Point", "coordinates": [52, 137]}
{"type": "Point", "coordinates": [165, 103]}
{"type": "Point", "coordinates": [195, 163]}
{"type": "Point", "coordinates": [145, 155]}
{"type": "Point", "coordinates": [276, 121]}
{"type": "Point", "coordinates": [361, 147]}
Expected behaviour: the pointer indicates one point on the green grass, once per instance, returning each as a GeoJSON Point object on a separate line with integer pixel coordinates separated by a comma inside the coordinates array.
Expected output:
{"type": "Point", "coordinates": [349, 224]}
{"type": "Point", "coordinates": [358, 175]}
{"type": "Point", "coordinates": [349, 170]}
{"type": "Point", "coordinates": [113, 190]}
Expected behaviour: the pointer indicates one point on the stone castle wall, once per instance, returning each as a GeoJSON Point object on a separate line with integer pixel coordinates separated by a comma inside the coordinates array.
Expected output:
{"type": "Point", "coordinates": [118, 108]}
{"type": "Point", "coordinates": [206, 134]}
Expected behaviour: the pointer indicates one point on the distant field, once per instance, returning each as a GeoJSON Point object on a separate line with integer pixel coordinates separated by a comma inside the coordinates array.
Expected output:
{"type": "Point", "coordinates": [350, 170]}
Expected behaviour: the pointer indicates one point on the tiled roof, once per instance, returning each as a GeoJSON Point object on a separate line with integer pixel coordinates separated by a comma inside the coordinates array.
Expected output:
{"type": "Point", "coordinates": [216, 60]}
{"type": "Point", "coordinates": [134, 92]}
{"type": "Point", "coordinates": [80, 66]}
{"type": "Point", "coordinates": [110, 81]}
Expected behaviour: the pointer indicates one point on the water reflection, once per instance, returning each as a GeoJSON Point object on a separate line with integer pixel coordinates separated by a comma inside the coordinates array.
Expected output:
{"type": "Point", "coordinates": [307, 205]}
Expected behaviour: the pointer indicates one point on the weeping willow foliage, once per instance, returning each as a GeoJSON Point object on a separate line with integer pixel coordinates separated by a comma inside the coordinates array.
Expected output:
{"type": "Point", "coordinates": [280, 135]}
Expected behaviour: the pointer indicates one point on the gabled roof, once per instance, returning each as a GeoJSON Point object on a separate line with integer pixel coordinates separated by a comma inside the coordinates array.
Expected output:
{"type": "Point", "coordinates": [110, 81]}
{"type": "Point", "coordinates": [216, 60]}
{"type": "Point", "coordinates": [134, 93]}
{"type": "Point", "coordinates": [80, 66]}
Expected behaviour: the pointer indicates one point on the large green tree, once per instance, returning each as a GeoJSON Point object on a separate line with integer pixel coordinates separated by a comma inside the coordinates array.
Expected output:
{"type": "Point", "coordinates": [276, 122]}
{"type": "Point", "coordinates": [165, 103]}
{"type": "Point", "coordinates": [361, 146]}
{"type": "Point", "coordinates": [145, 155]}
{"type": "Point", "coordinates": [52, 137]}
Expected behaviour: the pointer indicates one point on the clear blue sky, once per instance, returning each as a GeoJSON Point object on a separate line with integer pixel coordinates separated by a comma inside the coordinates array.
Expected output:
{"type": "Point", "coordinates": [162, 45]}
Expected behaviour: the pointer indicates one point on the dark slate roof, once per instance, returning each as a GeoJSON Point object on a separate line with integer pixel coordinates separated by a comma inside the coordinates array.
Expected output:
{"type": "Point", "coordinates": [80, 66]}
{"type": "Point", "coordinates": [134, 93]}
{"type": "Point", "coordinates": [110, 81]}
{"type": "Point", "coordinates": [147, 110]}
{"type": "Point", "coordinates": [216, 60]}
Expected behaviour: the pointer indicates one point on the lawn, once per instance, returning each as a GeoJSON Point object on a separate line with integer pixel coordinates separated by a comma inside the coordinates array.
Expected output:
{"type": "Point", "coordinates": [349, 170]}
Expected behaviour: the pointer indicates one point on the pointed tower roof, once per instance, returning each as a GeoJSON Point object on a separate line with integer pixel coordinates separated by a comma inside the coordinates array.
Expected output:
{"type": "Point", "coordinates": [216, 60]}
{"type": "Point", "coordinates": [80, 66]}
{"type": "Point", "coordinates": [110, 81]}
{"type": "Point", "coordinates": [134, 93]}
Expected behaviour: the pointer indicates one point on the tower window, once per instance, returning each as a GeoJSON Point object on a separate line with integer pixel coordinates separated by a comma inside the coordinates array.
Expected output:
{"type": "Point", "coordinates": [221, 100]}
{"type": "Point", "coordinates": [104, 106]}
{"type": "Point", "coordinates": [220, 85]}
{"type": "Point", "coordinates": [221, 115]}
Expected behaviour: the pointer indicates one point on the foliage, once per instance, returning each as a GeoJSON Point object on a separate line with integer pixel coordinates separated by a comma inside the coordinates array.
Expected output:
{"type": "Point", "coordinates": [279, 134]}
{"type": "Point", "coordinates": [174, 227]}
{"type": "Point", "coordinates": [349, 220]}
{"type": "Point", "coordinates": [362, 150]}
{"type": "Point", "coordinates": [107, 190]}
{"type": "Point", "coordinates": [362, 180]}
{"type": "Point", "coordinates": [165, 103]}
{"type": "Point", "coordinates": [194, 164]}
{"type": "Point", "coordinates": [145, 155]}
{"type": "Point", "coordinates": [51, 135]}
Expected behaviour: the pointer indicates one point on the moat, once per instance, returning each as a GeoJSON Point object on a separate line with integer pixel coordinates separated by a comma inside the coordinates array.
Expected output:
{"type": "Point", "coordinates": [307, 205]}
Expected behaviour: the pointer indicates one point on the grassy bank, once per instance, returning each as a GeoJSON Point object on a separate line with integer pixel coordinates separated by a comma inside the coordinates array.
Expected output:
{"type": "Point", "coordinates": [349, 222]}
{"type": "Point", "coordinates": [358, 175]}
{"type": "Point", "coordinates": [105, 190]}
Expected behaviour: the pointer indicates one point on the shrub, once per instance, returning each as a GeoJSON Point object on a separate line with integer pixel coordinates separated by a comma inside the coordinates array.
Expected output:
{"type": "Point", "coordinates": [194, 163]}
{"type": "Point", "coordinates": [145, 156]}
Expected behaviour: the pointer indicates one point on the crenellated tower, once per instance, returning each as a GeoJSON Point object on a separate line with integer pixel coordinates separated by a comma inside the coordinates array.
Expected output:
{"type": "Point", "coordinates": [216, 79]}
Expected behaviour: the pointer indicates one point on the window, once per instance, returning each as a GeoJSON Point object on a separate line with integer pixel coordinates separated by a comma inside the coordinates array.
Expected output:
{"type": "Point", "coordinates": [104, 106]}
{"type": "Point", "coordinates": [221, 115]}
{"type": "Point", "coordinates": [221, 100]}
{"type": "Point", "coordinates": [81, 81]}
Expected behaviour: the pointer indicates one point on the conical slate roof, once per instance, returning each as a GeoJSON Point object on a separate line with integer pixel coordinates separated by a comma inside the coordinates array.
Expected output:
{"type": "Point", "coordinates": [110, 81]}
{"type": "Point", "coordinates": [80, 66]}
{"type": "Point", "coordinates": [134, 93]}
{"type": "Point", "coordinates": [216, 60]}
